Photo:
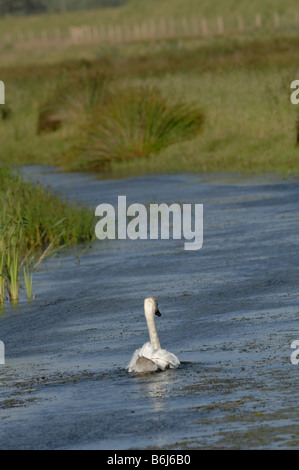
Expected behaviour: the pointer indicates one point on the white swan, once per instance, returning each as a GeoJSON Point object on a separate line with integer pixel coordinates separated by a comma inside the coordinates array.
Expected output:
{"type": "Point", "coordinates": [151, 357]}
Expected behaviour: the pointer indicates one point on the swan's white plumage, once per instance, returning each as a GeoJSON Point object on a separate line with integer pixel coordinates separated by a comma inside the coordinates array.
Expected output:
{"type": "Point", "coordinates": [147, 359]}
{"type": "Point", "coordinates": [151, 357]}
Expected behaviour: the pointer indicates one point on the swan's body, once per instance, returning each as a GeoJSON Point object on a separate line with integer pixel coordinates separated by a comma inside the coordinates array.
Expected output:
{"type": "Point", "coordinates": [151, 357]}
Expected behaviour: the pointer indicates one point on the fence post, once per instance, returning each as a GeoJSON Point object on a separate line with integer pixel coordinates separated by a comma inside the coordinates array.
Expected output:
{"type": "Point", "coordinates": [185, 26]}
{"type": "Point", "coordinates": [171, 27]}
{"type": "Point", "coordinates": [118, 34]}
{"type": "Point", "coordinates": [204, 27]}
{"type": "Point", "coordinates": [72, 34]}
{"type": "Point", "coordinates": [44, 36]}
{"type": "Point", "coordinates": [258, 20]}
{"type": "Point", "coordinates": [195, 26]}
{"type": "Point", "coordinates": [127, 33]}
{"type": "Point", "coordinates": [220, 25]}
{"type": "Point", "coordinates": [110, 33]}
{"type": "Point", "coordinates": [89, 34]}
{"type": "Point", "coordinates": [103, 33]}
{"type": "Point", "coordinates": [276, 20]}
{"type": "Point", "coordinates": [95, 34]}
{"type": "Point", "coordinates": [240, 23]}
{"type": "Point", "coordinates": [162, 27]}
{"type": "Point", "coordinates": [152, 29]}
{"type": "Point", "coordinates": [144, 32]}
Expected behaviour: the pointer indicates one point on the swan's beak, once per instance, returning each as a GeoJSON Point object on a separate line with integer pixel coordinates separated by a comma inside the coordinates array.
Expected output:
{"type": "Point", "coordinates": [158, 313]}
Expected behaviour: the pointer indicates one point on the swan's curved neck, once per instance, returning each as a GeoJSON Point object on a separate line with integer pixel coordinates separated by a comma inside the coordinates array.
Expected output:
{"type": "Point", "coordinates": [151, 325]}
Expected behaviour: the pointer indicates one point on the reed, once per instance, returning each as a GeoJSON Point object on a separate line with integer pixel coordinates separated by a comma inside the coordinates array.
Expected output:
{"type": "Point", "coordinates": [12, 260]}
{"type": "Point", "coordinates": [28, 276]}
{"type": "Point", "coordinates": [9, 259]}
{"type": "Point", "coordinates": [32, 224]}
{"type": "Point", "coordinates": [2, 278]}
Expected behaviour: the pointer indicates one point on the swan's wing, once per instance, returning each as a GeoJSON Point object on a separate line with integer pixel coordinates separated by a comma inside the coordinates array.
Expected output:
{"type": "Point", "coordinates": [147, 359]}
{"type": "Point", "coordinates": [161, 357]}
{"type": "Point", "coordinates": [165, 359]}
{"type": "Point", "coordinates": [145, 365]}
{"type": "Point", "coordinates": [131, 365]}
{"type": "Point", "coordinates": [141, 360]}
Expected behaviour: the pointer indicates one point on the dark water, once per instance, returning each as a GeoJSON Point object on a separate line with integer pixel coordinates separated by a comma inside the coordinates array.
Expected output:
{"type": "Point", "coordinates": [229, 312]}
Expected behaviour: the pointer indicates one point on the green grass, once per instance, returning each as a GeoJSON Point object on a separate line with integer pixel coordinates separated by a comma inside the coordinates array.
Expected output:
{"type": "Point", "coordinates": [15, 30]}
{"type": "Point", "coordinates": [240, 82]}
{"type": "Point", "coordinates": [135, 107]}
{"type": "Point", "coordinates": [241, 86]}
{"type": "Point", "coordinates": [72, 101]}
{"type": "Point", "coordinates": [32, 223]}
{"type": "Point", "coordinates": [136, 11]}
{"type": "Point", "coordinates": [135, 123]}
{"type": "Point", "coordinates": [28, 278]}
{"type": "Point", "coordinates": [46, 218]}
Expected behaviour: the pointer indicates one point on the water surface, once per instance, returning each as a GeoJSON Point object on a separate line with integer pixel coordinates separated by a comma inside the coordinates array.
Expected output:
{"type": "Point", "coordinates": [229, 312]}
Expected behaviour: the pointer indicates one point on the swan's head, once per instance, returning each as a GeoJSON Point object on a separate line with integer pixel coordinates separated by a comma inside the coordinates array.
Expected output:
{"type": "Point", "coordinates": [151, 307]}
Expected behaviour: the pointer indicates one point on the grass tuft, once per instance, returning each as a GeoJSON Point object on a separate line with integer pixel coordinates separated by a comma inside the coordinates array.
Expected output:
{"type": "Point", "coordinates": [71, 102]}
{"type": "Point", "coordinates": [135, 123]}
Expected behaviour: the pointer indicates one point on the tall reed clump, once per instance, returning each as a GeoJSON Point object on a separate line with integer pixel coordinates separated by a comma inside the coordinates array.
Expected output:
{"type": "Point", "coordinates": [33, 222]}
{"type": "Point", "coordinates": [72, 101]}
{"type": "Point", "coordinates": [2, 279]}
{"type": "Point", "coordinates": [137, 122]}
{"type": "Point", "coordinates": [10, 240]}
{"type": "Point", "coordinates": [28, 275]}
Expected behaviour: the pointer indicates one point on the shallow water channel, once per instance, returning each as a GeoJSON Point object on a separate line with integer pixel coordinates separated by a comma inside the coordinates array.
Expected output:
{"type": "Point", "coordinates": [229, 312]}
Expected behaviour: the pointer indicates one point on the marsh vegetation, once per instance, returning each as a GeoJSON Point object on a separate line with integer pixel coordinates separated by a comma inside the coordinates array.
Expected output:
{"type": "Point", "coordinates": [240, 88]}
{"type": "Point", "coordinates": [33, 223]}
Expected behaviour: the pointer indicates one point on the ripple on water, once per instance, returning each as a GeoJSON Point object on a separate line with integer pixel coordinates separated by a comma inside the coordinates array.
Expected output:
{"type": "Point", "coordinates": [229, 312]}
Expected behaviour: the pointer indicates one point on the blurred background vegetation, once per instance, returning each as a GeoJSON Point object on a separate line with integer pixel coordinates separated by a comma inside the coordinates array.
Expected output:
{"type": "Point", "coordinates": [31, 7]}
{"type": "Point", "coordinates": [229, 63]}
{"type": "Point", "coordinates": [133, 87]}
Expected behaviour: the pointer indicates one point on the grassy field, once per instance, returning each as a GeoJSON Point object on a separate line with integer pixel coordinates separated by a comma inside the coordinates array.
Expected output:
{"type": "Point", "coordinates": [137, 11]}
{"type": "Point", "coordinates": [15, 32]}
{"type": "Point", "coordinates": [240, 83]}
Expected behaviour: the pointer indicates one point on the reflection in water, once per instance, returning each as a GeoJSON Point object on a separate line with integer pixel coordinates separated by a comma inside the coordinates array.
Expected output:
{"type": "Point", "coordinates": [157, 387]}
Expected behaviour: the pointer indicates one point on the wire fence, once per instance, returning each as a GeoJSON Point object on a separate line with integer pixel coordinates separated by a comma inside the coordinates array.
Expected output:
{"type": "Point", "coordinates": [150, 30]}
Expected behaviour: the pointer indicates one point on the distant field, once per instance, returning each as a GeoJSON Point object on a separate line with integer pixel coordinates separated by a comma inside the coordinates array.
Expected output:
{"type": "Point", "coordinates": [240, 79]}
{"type": "Point", "coordinates": [139, 26]}
{"type": "Point", "coordinates": [243, 90]}
{"type": "Point", "coordinates": [231, 14]}
{"type": "Point", "coordinates": [136, 11]}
